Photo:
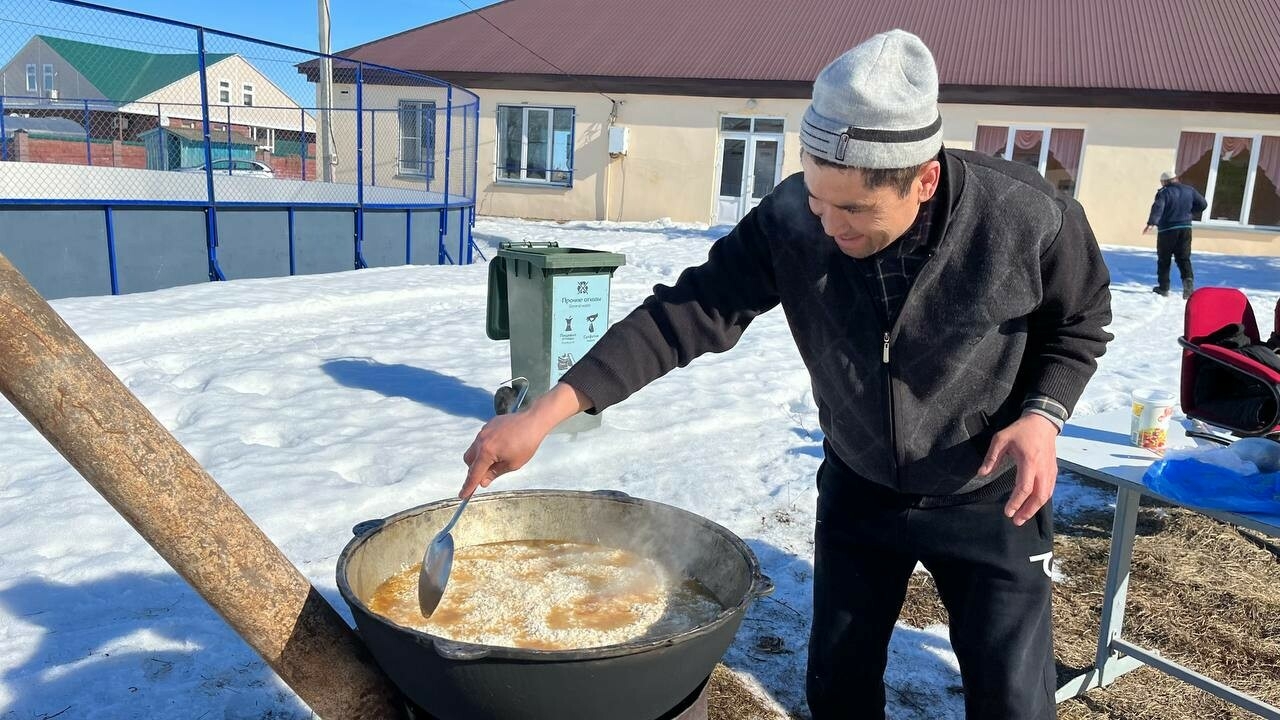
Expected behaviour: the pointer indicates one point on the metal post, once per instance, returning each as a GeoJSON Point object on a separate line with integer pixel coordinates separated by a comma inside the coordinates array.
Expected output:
{"type": "Point", "coordinates": [88, 141]}
{"type": "Point", "coordinates": [1123, 527]}
{"type": "Point", "coordinates": [228, 139]}
{"type": "Point", "coordinates": [475, 181]}
{"type": "Point", "coordinates": [4, 139]}
{"type": "Point", "coordinates": [373, 141]}
{"type": "Point", "coordinates": [408, 237]}
{"type": "Point", "coordinates": [87, 414]}
{"type": "Point", "coordinates": [360, 263]}
{"type": "Point", "coordinates": [324, 90]}
{"type": "Point", "coordinates": [302, 137]}
{"type": "Point", "coordinates": [466, 225]}
{"type": "Point", "coordinates": [211, 212]}
{"type": "Point", "coordinates": [441, 224]}
{"type": "Point", "coordinates": [448, 139]}
{"type": "Point", "coordinates": [448, 153]}
{"type": "Point", "coordinates": [111, 251]}
{"type": "Point", "coordinates": [465, 137]}
{"type": "Point", "coordinates": [293, 267]}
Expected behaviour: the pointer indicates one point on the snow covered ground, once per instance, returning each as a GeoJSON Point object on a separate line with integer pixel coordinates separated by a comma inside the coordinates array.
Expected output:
{"type": "Point", "coordinates": [321, 401]}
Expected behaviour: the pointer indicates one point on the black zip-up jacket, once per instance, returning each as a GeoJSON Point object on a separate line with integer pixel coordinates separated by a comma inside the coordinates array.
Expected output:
{"type": "Point", "coordinates": [1013, 303]}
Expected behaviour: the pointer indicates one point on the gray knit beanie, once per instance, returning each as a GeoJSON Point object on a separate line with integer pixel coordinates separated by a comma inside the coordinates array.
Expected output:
{"type": "Point", "coordinates": [876, 106]}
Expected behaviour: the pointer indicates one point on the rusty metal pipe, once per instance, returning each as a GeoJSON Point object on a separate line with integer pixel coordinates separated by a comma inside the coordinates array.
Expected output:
{"type": "Point", "coordinates": [75, 401]}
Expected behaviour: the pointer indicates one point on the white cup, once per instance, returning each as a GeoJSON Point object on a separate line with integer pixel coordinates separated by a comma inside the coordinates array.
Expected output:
{"type": "Point", "coordinates": [1149, 424]}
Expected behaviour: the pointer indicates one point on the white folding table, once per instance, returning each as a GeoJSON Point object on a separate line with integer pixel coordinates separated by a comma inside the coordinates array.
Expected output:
{"type": "Point", "coordinates": [1098, 447]}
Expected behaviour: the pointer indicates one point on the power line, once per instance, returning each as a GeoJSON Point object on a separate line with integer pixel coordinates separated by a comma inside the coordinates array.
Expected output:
{"type": "Point", "coordinates": [10, 21]}
{"type": "Point", "coordinates": [531, 51]}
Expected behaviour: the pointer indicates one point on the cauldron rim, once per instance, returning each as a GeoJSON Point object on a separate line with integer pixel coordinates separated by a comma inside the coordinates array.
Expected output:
{"type": "Point", "coordinates": [760, 585]}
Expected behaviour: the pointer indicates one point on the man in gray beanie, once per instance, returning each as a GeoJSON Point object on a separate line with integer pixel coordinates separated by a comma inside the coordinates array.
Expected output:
{"type": "Point", "coordinates": [950, 308]}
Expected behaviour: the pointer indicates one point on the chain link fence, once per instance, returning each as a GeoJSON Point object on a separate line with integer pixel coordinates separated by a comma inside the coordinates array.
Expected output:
{"type": "Point", "coordinates": [106, 107]}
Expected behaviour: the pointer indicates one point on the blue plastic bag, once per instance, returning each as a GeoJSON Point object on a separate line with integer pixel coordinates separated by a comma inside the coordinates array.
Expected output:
{"type": "Point", "coordinates": [1243, 477]}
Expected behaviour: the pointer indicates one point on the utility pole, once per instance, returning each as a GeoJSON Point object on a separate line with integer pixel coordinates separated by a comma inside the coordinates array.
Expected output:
{"type": "Point", "coordinates": [324, 92]}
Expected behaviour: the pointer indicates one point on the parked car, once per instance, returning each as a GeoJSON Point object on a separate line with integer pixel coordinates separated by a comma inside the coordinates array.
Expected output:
{"type": "Point", "coordinates": [249, 168]}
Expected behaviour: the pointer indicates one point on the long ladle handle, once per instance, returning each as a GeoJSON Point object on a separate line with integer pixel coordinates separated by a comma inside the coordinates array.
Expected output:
{"type": "Point", "coordinates": [456, 513]}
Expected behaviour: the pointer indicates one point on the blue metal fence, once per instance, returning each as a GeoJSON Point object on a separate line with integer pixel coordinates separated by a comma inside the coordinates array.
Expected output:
{"type": "Point", "coordinates": [133, 111]}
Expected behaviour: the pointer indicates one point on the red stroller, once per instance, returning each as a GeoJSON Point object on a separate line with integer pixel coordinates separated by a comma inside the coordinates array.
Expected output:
{"type": "Point", "coordinates": [1230, 379]}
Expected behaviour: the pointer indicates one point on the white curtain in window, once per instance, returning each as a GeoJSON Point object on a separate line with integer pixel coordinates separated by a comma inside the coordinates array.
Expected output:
{"type": "Point", "coordinates": [1192, 146]}
{"type": "Point", "coordinates": [1269, 159]}
{"type": "Point", "coordinates": [1027, 139]}
{"type": "Point", "coordinates": [1265, 208]}
{"type": "Point", "coordinates": [1065, 147]}
{"type": "Point", "coordinates": [991, 139]}
{"type": "Point", "coordinates": [1233, 146]}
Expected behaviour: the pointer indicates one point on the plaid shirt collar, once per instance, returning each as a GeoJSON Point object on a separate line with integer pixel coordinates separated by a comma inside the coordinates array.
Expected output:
{"type": "Point", "coordinates": [891, 272]}
{"type": "Point", "coordinates": [917, 239]}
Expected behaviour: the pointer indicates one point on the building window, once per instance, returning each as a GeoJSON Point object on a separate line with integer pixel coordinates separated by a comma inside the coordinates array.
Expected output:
{"type": "Point", "coordinates": [417, 138]}
{"type": "Point", "coordinates": [247, 95]}
{"type": "Point", "coordinates": [264, 137]}
{"type": "Point", "coordinates": [1238, 173]}
{"type": "Point", "coordinates": [535, 144]}
{"type": "Point", "coordinates": [1053, 152]}
{"type": "Point", "coordinates": [48, 79]}
{"type": "Point", "coordinates": [224, 92]}
{"type": "Point", "coordinates": [31, 79]}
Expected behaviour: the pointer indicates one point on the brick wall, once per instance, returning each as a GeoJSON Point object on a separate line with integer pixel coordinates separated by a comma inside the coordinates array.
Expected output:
{"type": "Point", "coordinates": [289, 167]}
{"type": "Point", "coordinates": [25, 148]}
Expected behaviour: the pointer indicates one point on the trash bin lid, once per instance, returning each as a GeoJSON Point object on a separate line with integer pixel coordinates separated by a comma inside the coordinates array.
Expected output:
{"type": "Point", "coordinates": [552, 257]}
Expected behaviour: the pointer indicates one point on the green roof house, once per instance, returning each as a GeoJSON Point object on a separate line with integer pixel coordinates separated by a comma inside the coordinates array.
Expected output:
{"type": "Point", "coordinates": [58, 74]}
{"type": "Point", "coordinates": [86, 71]}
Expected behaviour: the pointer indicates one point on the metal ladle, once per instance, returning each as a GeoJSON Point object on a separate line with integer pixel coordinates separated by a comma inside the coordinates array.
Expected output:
{"type": "Point", "coordinates": [437, 562]}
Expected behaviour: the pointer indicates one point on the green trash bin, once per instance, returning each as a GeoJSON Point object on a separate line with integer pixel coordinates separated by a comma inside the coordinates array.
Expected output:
{"type": "Point", "coordinates": [552, 303]}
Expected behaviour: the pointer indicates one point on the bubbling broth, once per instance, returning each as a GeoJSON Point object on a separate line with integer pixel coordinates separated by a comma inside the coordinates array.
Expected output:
{"type": "Point", "coordinates": [549, 595]}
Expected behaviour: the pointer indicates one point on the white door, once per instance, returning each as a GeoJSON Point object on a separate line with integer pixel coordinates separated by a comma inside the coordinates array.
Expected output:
{"type": "Point", "coordinates": [750, 160]}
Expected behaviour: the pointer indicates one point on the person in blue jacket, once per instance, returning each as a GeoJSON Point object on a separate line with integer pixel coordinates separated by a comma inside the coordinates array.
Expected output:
{"type": "Point", "coordinates": [1175, 206]}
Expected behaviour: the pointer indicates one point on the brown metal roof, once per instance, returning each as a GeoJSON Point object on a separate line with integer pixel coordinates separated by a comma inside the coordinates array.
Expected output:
{"type": "Point", "coordinates": [1189, 46]}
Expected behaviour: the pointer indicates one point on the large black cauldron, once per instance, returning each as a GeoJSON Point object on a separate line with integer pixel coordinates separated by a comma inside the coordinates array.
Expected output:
{"type": "Point", "coordinates": [634, 681]}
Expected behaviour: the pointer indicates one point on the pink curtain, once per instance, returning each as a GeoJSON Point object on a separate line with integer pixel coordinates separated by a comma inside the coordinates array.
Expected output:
{"type": "Point", "coordinates": [1065, 147]}
{"type": "Point", "coordinates": [1027, 139]}
{"type": "Point", "coordinates": [1192, 146]}
{"type": "Point", "coordinates": [1269, 159]}
{"type": "Point", "coordinates": [1234, 146]}
{"type": "Point", "coordinates": [991, 139]}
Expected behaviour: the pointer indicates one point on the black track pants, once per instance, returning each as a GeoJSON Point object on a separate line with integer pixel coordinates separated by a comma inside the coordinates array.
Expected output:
{"type": "Point", "coordinates": [1173, 245]}
{"type": "Point", "coordinates": [992, 576]}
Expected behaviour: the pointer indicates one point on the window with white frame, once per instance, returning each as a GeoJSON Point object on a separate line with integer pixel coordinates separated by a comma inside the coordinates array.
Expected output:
{"type": "Point", "coordinates": [32, 79]}
{"type": "Point", "coordinates": [246, 93]}
{"type": "Point", "coordinates": [1053, 152]}
{"type": "Point", "coordinates": [535, 144]}
{"type": "Point", "coordinates": [264, 137]}
{"type": "Point", "coordinates": [1238, 173]}
{"type": "Point", "coordinates": [49, 78]}
{"type": "Point", "coordinates": [417, 138]}
{"type": "Point", "coordinates": [224, 92]}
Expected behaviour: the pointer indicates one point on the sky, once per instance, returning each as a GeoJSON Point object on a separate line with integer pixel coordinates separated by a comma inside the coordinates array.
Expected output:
{"type": "Point", "coordinates": [294, 22]}
{"type": "Point", "coordinates": [318, 402]}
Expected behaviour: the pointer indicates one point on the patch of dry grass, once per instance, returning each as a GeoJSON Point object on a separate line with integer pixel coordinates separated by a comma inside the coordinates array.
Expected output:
{"type": "Point", "coordinates": [1200, 592]}
{"type": "Point", "coordinates": [729, 699]}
